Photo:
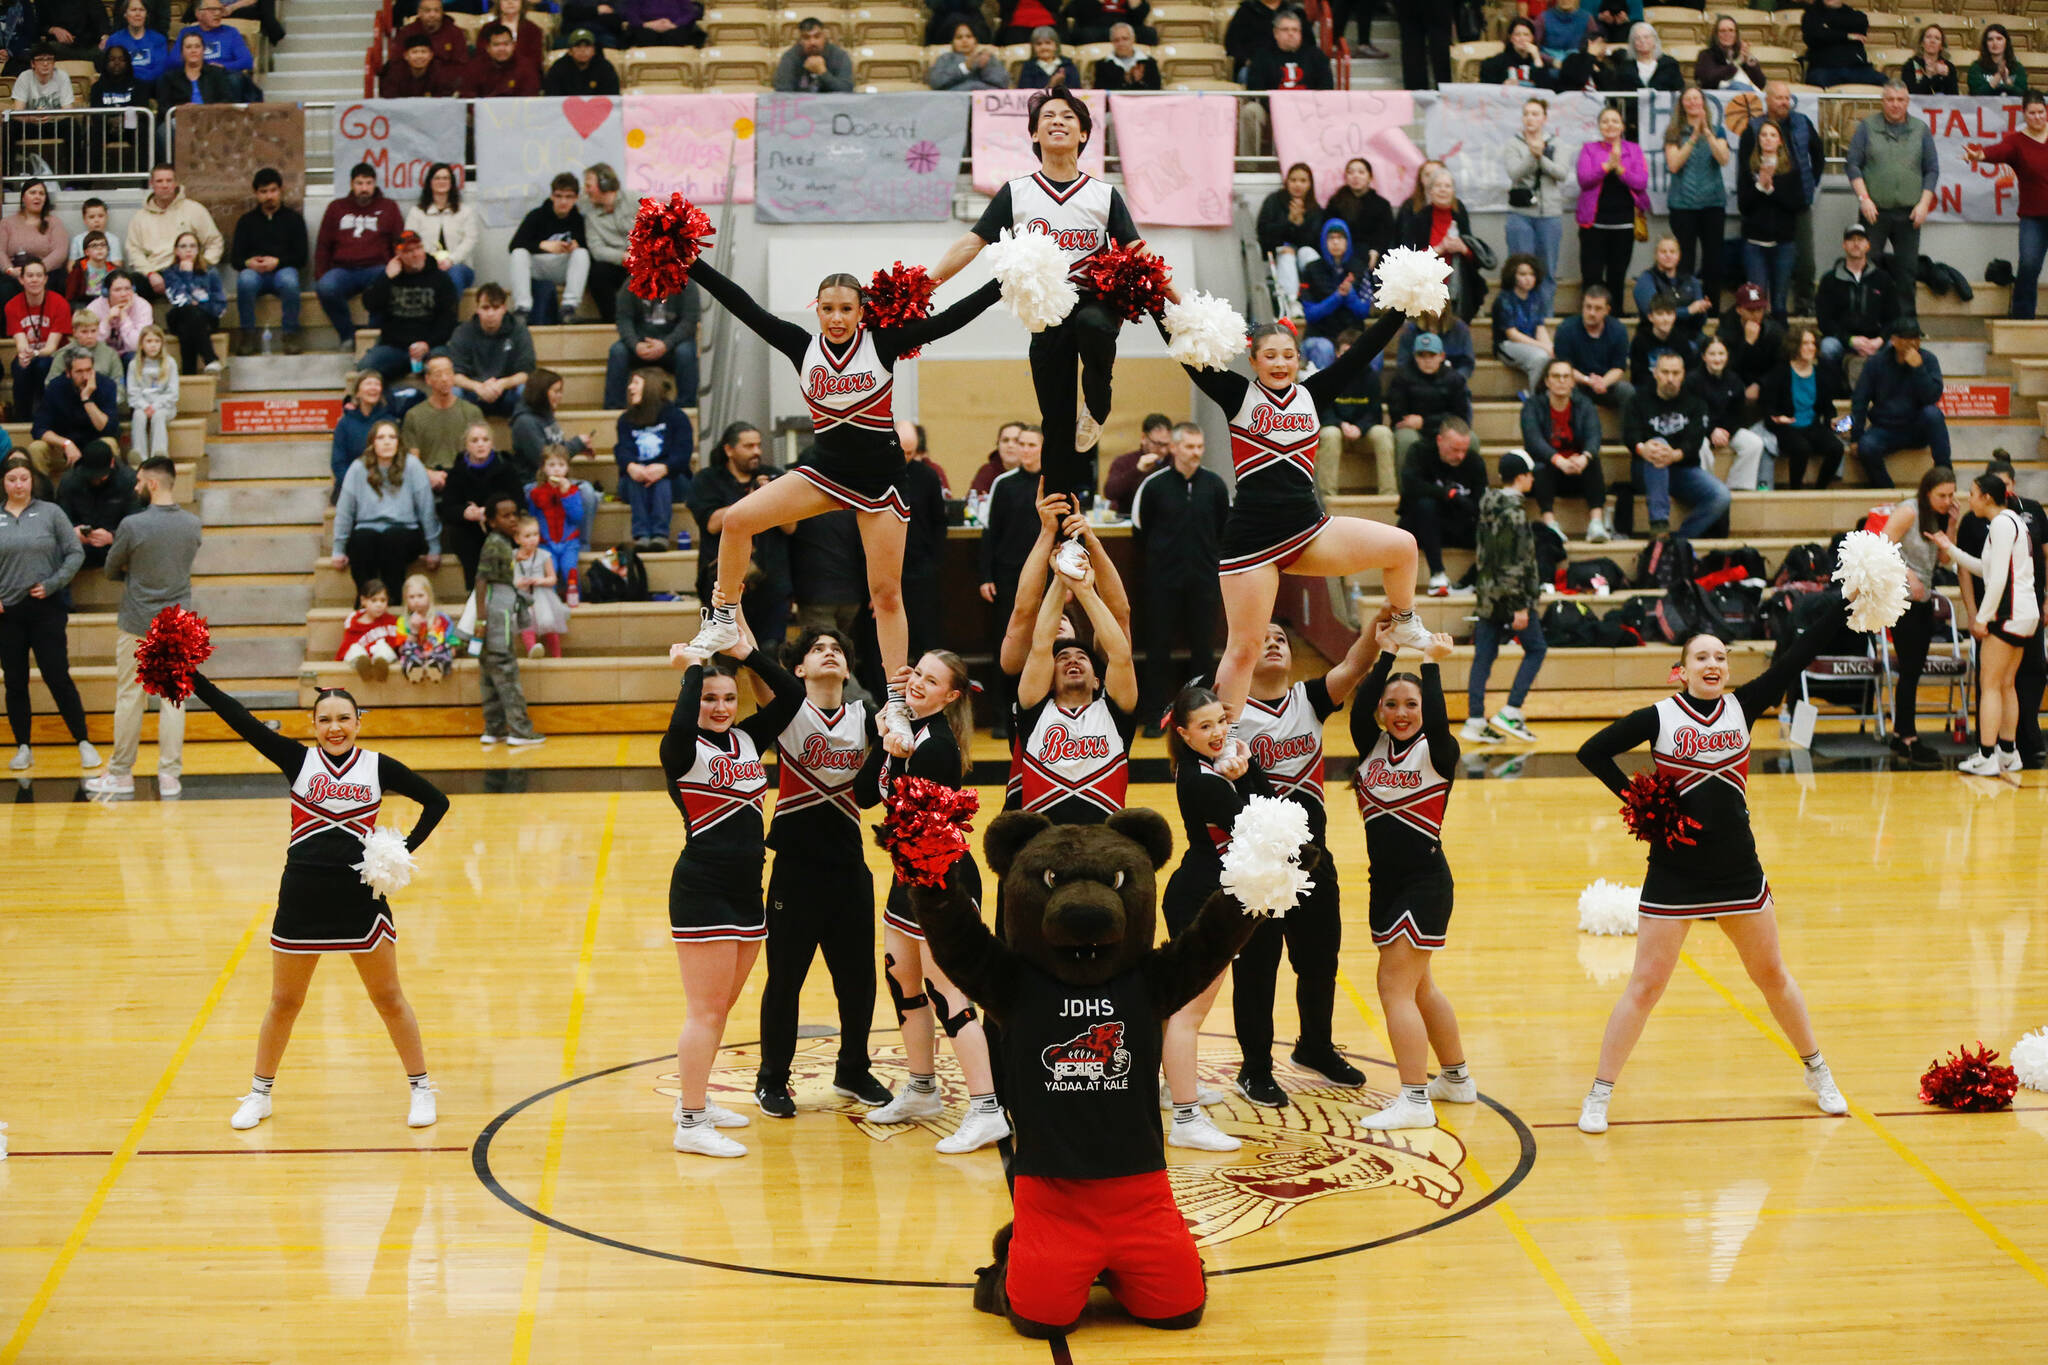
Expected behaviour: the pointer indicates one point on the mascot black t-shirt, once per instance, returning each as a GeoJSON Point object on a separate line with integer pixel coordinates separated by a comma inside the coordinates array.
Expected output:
{"type": "Point", "coordinates": [1082, 1077]}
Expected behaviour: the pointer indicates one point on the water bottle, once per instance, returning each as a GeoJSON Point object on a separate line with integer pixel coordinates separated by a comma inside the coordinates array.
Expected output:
{"type": "Point", "coordinates": [683, 538]}
{"type": "Point", "coordinates": [268, 338]}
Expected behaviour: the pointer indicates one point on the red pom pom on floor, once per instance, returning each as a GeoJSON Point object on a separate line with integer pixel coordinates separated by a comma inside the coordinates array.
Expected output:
{"type": "Point", "coordinates": [900, 294]}
{"type": "Point", "coordinates": [1130, 282]}
{"type": "Point", "coordinates": [665, 242]}
{"type": "Point", "coordinates": [1971, 1081]}
{"type": "Point", "coordinates": [926, 828]}
{"type": "Point", "coordinates": [170, 652]}
{"type": "Point", "coordinates": [1649, 807]}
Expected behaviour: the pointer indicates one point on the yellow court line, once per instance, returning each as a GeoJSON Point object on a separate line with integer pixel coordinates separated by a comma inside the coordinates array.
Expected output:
{"type": "Point", "coordinates": [16, 1343]}
{"type": "Point", "coordinates": [1515, 1226]}
{"type": "Point", "coordinates": [558, 1112]}
{"type": "Point", "coordinates": [1876, 1125]}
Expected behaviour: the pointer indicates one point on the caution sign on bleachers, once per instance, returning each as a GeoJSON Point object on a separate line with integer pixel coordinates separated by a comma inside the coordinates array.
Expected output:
{"type": "Point", "coordinates": [277, 416]}
{"type": "Point", "coordinates": [1976, 400]}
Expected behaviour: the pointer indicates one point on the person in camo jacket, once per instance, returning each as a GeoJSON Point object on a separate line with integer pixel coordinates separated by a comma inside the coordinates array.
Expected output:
{"type": "Point", "coordinates": [1509, 593]}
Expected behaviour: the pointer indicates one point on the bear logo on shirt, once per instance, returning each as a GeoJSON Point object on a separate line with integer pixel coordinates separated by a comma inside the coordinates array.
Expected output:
{"type": "Point", "coordinates": [1089, 1060]}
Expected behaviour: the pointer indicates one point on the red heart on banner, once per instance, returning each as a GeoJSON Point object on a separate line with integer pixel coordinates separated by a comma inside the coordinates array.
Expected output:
{"type": "Point", "coordinates": [586, 116]}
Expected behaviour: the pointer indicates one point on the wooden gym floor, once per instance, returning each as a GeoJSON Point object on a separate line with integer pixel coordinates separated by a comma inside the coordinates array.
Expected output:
{"type": "Point", "coordinates": [1721, 1218]}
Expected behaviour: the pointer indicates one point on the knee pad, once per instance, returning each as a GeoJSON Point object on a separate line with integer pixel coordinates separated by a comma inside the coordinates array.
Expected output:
{"type": "Point", "coordinates": [949, 1021]}
{"type": "Point", "coordinates": [905, 1004]}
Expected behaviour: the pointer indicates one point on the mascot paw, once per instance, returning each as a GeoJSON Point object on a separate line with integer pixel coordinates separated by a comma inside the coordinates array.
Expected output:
{"type": "Point", "coordinates": [1179, 1322]}
{"type": "Point", "coordinates": [991, 1293]}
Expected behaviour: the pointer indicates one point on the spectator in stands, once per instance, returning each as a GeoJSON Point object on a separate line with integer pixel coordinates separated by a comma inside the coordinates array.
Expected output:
{"type": "Point", "coordinates": [474, 482]}
{"type": "Point", "coordinates": [1563, 30]}
{"type": "Point", "coordinates": [1695, 150]}
{"type": "Point", "coordinates": [446, 225]}
{"type": "Point", "coordinates": [197, 300]}
{"type": "Point", "coordinates": [43, 86]}
{"type": "Point", "coordinates": [1290, 63]}
{"type": "Point", "coordinates": [1897, 404]}
{"type": "Point", "coordinates": [1668, 275]}
{"type": "Point", "coordinates": [924, 543]}
{"type": "Point", "coordinates": [74, 28]}
{"type": "Point", "coordinates": [1440, 492]}
{"type": "Point", "coordinates": [114, 145]}
{"type": "Point", "coordinates": [654, 332]}
{"type": "Point", "coordinates": [1250, 29]}
{"type": "Point", "coordinates": [729, 474]}
{"type": "Point", "coordinates": [149, 51]}
{"type": "Point", "coordinates": [601, 17]}
{"type": "Point", "coordinates": [1508, 591]}
{"type": "Point", "coordinates": [1561, 432]}
{"type": "Point", "coordinates": [86, 336]}
{"type": "Point", "coordinates": [814, 65]}
{"type": "Point", "coordinates": [536, 426]}
{"type": "Point", "coordinates": [2025, 150]}
{"type": "Point", "coordinates": [1424, 393]}
{"type": "Point", "coordinates": [39, 555]}
{"type": "Point", "coordinates": [357, 241]}
{"type": "Point", "coordinates": [1730, 430]}
{"type": "Point", "coordinates": [264, 12]}
{"type": "Point", "coordinates": [1613, 190]}
{"type": "Point", "coordinates": [1893, 167]}
{"type": "Point", "coordinates": [1521, 328]}
{"type": "Point", "coordinates": [225, 48]}
{"type": "Point", "coordinates": [1010, 527]}
{"type": "Point", "coordinates": [1643, 64]}
{"type": "Point", "coordinates": [451, 48]}
{"type": "Point", "coordinates": [828, 573]}
{"type": "Point", "coordinates": [1047, 66]}
{"type": "Point", "coordinates": [910, 435]}
{"type": "Point", "coordinates": [362, 408]}
{"type": "Point", "coordinates": [97, 494]}
{"type": "Point", "coordinates": [495, 72]}
{"type": "Point", "coordinates": [412, 73]}
{"type": "Point", "coordinates": [435, 425]}
{"type": "Point", "coordinates": [1725, 63]}
{"type": "Point", "coordinates": [1755, 341]}
{"type": "Point", "coordinates": [269, 252]}
{"type": "Point", "coordinates": [662, 23]}
{"type": "Point", "coordinates": [968, 64]}
{"type": "Point", "coordinates": [79, 413]}
{"type": "Point", "coordinates": [1125, 68]}
{"type": "Point", "coordinates": [1665, 429]}
{"type": "Point", "coordinates": [1536, 198]}
{"type": "Point", "coordinates": [1367, 213]}
{"type": "Point", "coordinates": [1095, 21]}
{"type": "Point", "coordinates": [1799, 400]}
{"type": "Point", "coordinates": [1520, 61]}
{"type": "Point", "coordinates": [529, 44]}
{"type": "Point", "coordinates": [1001, 460]}
{"type": "Point", "coordinates": [1177, 520]}
{"type": "Point", "coordinates": [90, 275]}
{"type": "Point", "coordinates": [18, 32]}
{"type": "Point", "coordinates": [1595, 343]}
{"type": "Point", "coordinates": [122, 315]}
{"type": "Point", "coordinates": [947, 14]}
{"type": "Point", "coordinates": [152, 393]}
{"type": "Point", "coordinates": [415, 305]}
{"type": "Point", "coordinates": [191, 80]}
{"type": "Point", "coordinates": [1930, 70]}
{"type": "Point", "coordinates": [1997, 71]}
{"type": "Point", "coordinates": [1834, 46]}
{"type": "Point", "coordinates": [32, 230]}
{"type": "Point", "coordinates": [1767, 189]}
{"type": "Point", "coordinates": [493, 354]}
{"type": "Point", "coordinates": [583, 70]}
{"type": "Point", "coordinates": [1287, 229]}
{"type": "Point", "coordinates": [1804, 142]}
{"type": "Point", "coordinates": [40, 322]}
{"type": "Point", "coordinates": [94, 214]}
{"type": "Point", "coordinates": [607, 223]}
{"type": "Point", "coordinates": [1353, 420]}
{"type": "Point", "coordinates": [653, 446]}
{"type": "Point", "coordinates": [1459, 353]}
{"type": "Point", "coordinates": [550, 246]}
{"type": "Point", "coordinates": [1018, 21]}
{"type": "Point", "coordinates": [384, 518]}
{"type": "Point", "coordinates": [1909, 525]}
{"type": "Point", "coordinates": [1426, 42]}
{"type": "Point", "coordinates": [1128, 470]}
{"type": "Point", "coordinates": [1437, 221]}
{"type": "Point", "coordinates": [1857, 302]}
{"type": "Point", "coordinates": [1336, 293]}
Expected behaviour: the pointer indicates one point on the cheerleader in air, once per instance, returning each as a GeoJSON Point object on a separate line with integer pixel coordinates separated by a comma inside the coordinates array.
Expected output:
{"type": "Point", "coordinates": [847, 372]}
{"type": "Point", "coordinates": [323, 905]}
{"type": "Point", "coordinates": [1407, 759]}
{"type": "Point", "coordinates": [1700, 739]}
{"type": "Point", "coordinates": [1277, 524]}
{"type": "Point", "coordinates": [939, 695]}
{"type": "Point", "coordinates": [712, 762]}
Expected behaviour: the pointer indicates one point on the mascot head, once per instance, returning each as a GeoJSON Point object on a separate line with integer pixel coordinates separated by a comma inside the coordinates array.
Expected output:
{"type": "Point", "coordinates": [1080, 901]}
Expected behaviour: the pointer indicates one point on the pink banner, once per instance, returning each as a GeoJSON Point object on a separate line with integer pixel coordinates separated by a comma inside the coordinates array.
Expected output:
{"type": "Point", "coordinates": [1002, 143]}
{"type": "Point", "coordinates": [1328, 128]}
{"type": "Point", "coordinates": [1178, 153]}
{"type": "Point", "coordinates": [688, 143]}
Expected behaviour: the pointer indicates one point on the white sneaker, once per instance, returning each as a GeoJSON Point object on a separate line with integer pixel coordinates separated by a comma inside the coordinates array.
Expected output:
{"type": "Point", "coordinates": [488, 740]}
{"type": "Point", "coordinates": [88, 757]}
{"type": "Point", "coordinates": [2008, 760]}
{"type": "Point", "coordinates": [1071, 559]}
{"type": "Point", "coordinates": [1597, 532]}
{"type": "Point", "coordinates": [1439, 585]}
{"type": "Point", "coordinates": [722, 1117]}
{"type": "Point", "coordinates": [1479, 732]}
{"type": "Point", "coordinates": [1981, 765]}
{"type": "Point", "coordinates": [23, 757]}
{"type": "Point", "coordinates": [424, 1110]}
{"type": "Point", "coordinates": [896, 722]}
{"type": "Point", "coordinates": [716, 636]}
{"type": "Point", "coordinates": [1201, 1134]}
{"type": "Point", "coordinates": [1821, 1082]}
{"type": "Point", "coordinates": [1087, 431]}
{"type": "Point", "coordinates": [1593, 1113]}
{"type": "Point", "coordinates": [1204, 1096]}
{"type": "Point", "coordinates": [1402, 1112]}
{"type": "Point", "coordinates": [975, 1132]}
{"type": "Point", "coordinates": [525, 741]}
{"type": "Point", "coordinates": [1442, 1087]}
{"type": "Point", "coordinates": [1514, 727]}
{"type": "Point", "coordinates": [536, 650]}
{"type": "Point", "coordinates": [255, 1108]}
{"type": "Point", "coordinates": [705, 1140]}
{"type": "Point", "coordinates": [909, 1106]}
{"type": "Point", "coordinates": [168, 786]}
{"type": "Point", "coordinates": [111, 785]}
{"type": "Point", "coordinates": [1411, 633]}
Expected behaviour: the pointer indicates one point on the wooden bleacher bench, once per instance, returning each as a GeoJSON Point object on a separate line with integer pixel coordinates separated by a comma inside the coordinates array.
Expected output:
{"type": "Point", "coordinates": [674, 572]}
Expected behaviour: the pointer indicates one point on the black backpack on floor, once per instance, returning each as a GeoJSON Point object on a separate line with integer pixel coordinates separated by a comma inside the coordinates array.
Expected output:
{"type": "Point", "coordinates": [1578, 576]}
{"type": "Point", "coordinates": [1806, 563]}
{"type": "Point", "coordinates": [1665, 562]}
{"type": "Point", "coordinates": [627, 583]}
{"type": "Point", "coordinates": [1736, 612]}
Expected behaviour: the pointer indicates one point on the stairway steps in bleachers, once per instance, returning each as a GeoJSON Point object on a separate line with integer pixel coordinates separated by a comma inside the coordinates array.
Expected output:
{"type": "Point", "coordinates": [672, 572]}
{"type": "Point", "coordinates": [598, 680]}
{"type": "Point", "coordinates": [596, 628]}
{"type": "Point", "coordinates": [257, 651]}
{"type": "Point", "coordinates": [257, 550]}
{"type": "Point", "coordinates": [314, 372]}
{"type": "Point", "coordinates": [276, 458]}
{"type": "Point", "coordinates": [265, 502]}
{"type": "Point", "coordinates": [1811, 512]}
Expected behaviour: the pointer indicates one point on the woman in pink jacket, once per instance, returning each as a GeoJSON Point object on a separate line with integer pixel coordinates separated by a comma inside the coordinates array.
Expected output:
{"type": "Point", "coordinates": [1613, 193]}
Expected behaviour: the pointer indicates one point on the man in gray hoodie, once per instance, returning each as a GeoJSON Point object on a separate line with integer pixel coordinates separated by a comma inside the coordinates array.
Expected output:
{"type": "Point", "coordinates": [607, 222]}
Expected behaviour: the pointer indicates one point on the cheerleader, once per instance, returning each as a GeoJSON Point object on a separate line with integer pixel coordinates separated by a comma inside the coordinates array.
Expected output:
{"type": "Point", "coordinates": [1076, 711]}
{"type": "Point", "coordinates": [2007, 616]}
{"type": "Point", "coordinates": [939, 696]}
{"type": "Point", "coordinates": [1277, 524]}
{"type": "Point", "coordinates": [1212, 780]}
{"type": "Point", "coordinates": [847, 373]}
{"type": "Point", "coordinates": [1700, 737]}
{"type": "Point", "coordinates": [1407, 759]}
{"type": "Point", "coordinates": [715, 916]}
{"type": "Point", "coordinates": [322, 904]}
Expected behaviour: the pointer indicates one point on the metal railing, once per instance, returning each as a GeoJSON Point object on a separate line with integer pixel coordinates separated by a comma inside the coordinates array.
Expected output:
{"type": "Point", "coordinates": [109, 148]}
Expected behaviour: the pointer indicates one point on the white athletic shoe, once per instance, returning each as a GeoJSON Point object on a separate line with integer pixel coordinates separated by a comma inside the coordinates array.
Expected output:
{"type": "Point", "coordinates": [1439, 585]}
{"type": "Point", "coordinates": [1411, 633]}
{"type": "Point", "coordinates": [716, 636]}
{"type": "Point", "coordinates": [1514, 727]}
{"type": "Point", "coordinates": [1087, 431]}
{"type": "Point", "coordinates": [23, 757]}
{"type": "Point", "coordinates": [722, 1117]}
{"type": "Point", "coordinates": [524, 741]}
{"type": "Point", "coordinates": [1981, 765]}
{"type": "Point", "coordinates": [1477, 731]}
{"type": "Point", "coordinates": [2008, 760]}
{"type": "Point", "coordinates": [1442, 1087]}
{"type": "Point", "coordinates": [1593, 1113]}
{"type": "Point", "coordinates": [168, 787]}
{"type": "Point", "coordinates": [1071, 559]}
{"type": "Point", "coordinates": [896, 721]}
{"type": "Point", "coordinates": [89, 757]}
{"type": "Point", "coordinates": [1200, 1133]}
{"type": "Point", "coordinates": [1597, 532]}
{"type": "Point", "coordinates": [1402, 1112]}
{"type": "Point", "coordinates": [424, 1109]}
{"type": "Point", "coordinates": [1821, 1082]}
{"type": "Point", "coordinates": [488, 740]}
{"type": "Point", "coordinates": [254, 1109]}
{"type": "Point", "coordinates": [908, 1106]}
{"type": "Point", "coordinates": [705, 1140]}
{"type": "Point", "coordinates": [975, 1132]}
{"type": "Point", "coordinates": [111, 784]}
{"type": "Point", "coordinates": [1204, 1096]}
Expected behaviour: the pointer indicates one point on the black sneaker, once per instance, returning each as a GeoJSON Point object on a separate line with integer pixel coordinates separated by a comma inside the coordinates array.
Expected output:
{"type": "Point", "coordinates": [775, 1101]}
{"type": "Point", "coordinates": [1261, 1089]}
{"type": "Point", "coordinates": [1329, 1064]}
{"type": "Point", "coordinates": [866, 1088]}
{"type": "Point", "coordinates": [1153, 730]}
{"type": "Point", "coordinates": [1916, 751]}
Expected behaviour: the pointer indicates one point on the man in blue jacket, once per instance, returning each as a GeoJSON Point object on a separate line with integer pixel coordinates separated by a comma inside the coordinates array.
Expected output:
{"type": "Point", "coordinates": [226, 49]}
{"type": "Point", "coordinates": [1897, 404]}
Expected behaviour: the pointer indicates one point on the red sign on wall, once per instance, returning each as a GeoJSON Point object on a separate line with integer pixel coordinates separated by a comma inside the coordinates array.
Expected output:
{"type": "Point", "coordinates": [271, 416]}
{"type": "Point", "coordinates": [1976, 400]}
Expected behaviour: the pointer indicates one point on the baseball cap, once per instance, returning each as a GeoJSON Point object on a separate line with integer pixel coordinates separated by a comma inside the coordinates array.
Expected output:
{"type": "Point", "coordinates": [582, 35]}
{"type": "Point", "coordinates": [1855, 230]}
{"type": "Point", "coordinates": [1906, 327]}
{"type": "Point", "coordinates": [1751, 296]}
{"type": "Point", "coordinates": [1429, 343]}
{"type": "Point", "coordinates": [409, 238]}
{"type": "Point", "coordinates": [1514, 464]}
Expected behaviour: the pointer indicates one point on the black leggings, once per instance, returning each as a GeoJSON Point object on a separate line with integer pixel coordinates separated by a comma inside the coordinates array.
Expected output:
{"type": "Point", "coordinates": [35, 625]}
{"type": "Point", "coordinates": [1910, 635]}
{"type": "Point", "coordinates": [385, 554]}
{"type": "Point", "coordinates": [1089, 337]}
{"type": "Point", "coordinates": [815, 907]}
{"type": "Point", "coordinates": [1313, 932]}
{"type": "Point", "coordinates": [1699, 233]}
{"type": "Point", "coordinates": [1425, 43]}
{"type": "Point", "coordinates": [1817, 442]}
{"type": "Point", "coordinates": [1603, 259]}
{"type": "Point", "coordinates": [193, 327]}
{"type": "Point", "coordinates": [1589, 483]}
{"type": "Point", "coordinates": [1175, 614]}
{"type": "Point", "coordinates": [1437, 524]}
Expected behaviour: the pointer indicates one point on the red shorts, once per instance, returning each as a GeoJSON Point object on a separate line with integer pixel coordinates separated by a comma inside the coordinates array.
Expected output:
{"type": "Point", "coordinates": [1070, 1231]}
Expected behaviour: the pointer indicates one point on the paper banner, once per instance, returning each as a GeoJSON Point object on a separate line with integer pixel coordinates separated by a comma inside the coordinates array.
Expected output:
{"type": "Point", "coordinates": [521, 145]}
{"type": "Point", "coordinates": [688, 143]}
{"type": "Point", "coordinates": [1734, 108]}
{"type": "Point", "coordinates": [1471, 127]}
{"type": "Point", "coordinates": [1002, 140]}
{"type": "Point", "coordinates": [222, 146]}
{"type": "Point", "coordinates": [857, 158]}
{"type": "Point", "coordinates": [1178, 152]}
{"type": "Point", "coordinates": [1969, 194]}
{"type": "Point", "coordinates": [1328, 128]}
{"type": "Point", "coordinates": [401, 138]}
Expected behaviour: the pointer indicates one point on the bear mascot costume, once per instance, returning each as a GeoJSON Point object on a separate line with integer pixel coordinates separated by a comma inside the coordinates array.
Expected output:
{"type": "Point", "coordinates": [1081, 996]}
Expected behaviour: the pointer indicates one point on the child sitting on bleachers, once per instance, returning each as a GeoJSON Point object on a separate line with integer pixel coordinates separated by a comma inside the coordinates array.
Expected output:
{"type": "Point", "coordinates": [85, 336]}
{"type": "Point", "coordinates": [424, 651]}
{"type": "Point", "coordinates": [534, 575]}
{"type": "Point", "coordinates": [152, 393]}
{"type": "Point", "coordinates": [559, 507]}
{"type": "Point", "coordinates": [87, 279]}
{"type": "Point", "coordinates": [369, 638]}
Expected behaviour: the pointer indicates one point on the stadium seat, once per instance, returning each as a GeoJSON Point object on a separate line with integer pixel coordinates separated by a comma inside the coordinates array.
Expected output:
{"type": "Point", "coordinates": [1202, 84]}
{"type": "Point", "coordinates": [1466, 57]}
{"type": "Point", "coordinates": [1888, 59]}
{"type": "Point", "coordinates": [1014, 57]}
{"type": "Point", "coordinates": [1193, 61]}
{"type": "Point", "coordinates": [1184, 23]}
{"type": "Point", "coordinates": [888, 62]}
{"type": "Point", "coordinates": [1676, 24]}
{"type": "Point", "coordinates": [873, 24]}
{"type": "Point", "coordinates": [1779, 63]}
{"type": "Point", "coordinates": [737, 68]}
{"type": "Point", "coordinates": [738, 25]}
{"type": "Point", "coordinates": [1088, 54]}
{"type": "Point", "coordinates": [1685, 54]}
{"type": "Point", "coordinates": [658, 68]}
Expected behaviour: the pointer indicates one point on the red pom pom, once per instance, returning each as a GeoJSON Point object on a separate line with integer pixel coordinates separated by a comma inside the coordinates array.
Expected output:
{"type": "Point", "coordinates": [665, 242]}
{"type": "Point", "coordinates": [170, 652]}
{"type": "Point", "coordinates": [1970, 1080]}
{"type": "Point", "coordinates": [900, 294]}
{"type": "Point", "coordinates": [1130, 282]}
{"type": "Point", "coordinates": [926, 828]}
{"type": "Point", "coordinates": [1649, 807]}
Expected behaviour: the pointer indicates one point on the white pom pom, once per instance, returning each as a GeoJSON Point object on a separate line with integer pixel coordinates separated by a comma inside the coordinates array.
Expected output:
{"type": "Point", "coordinates": [1261, 867]}
{"type": "Point", "coordinates": [387, 863]}
{"type": "Point", "coordinates": [1414, 282]}
{"type": "Point", "coordinates": [1608, 908]}
{"type": "Point", "coordinates": [1033, 274]}
{"type": "Point", "coordinates": [2029, 1059]}
{"type": "Point", "coordinates": [1206, 331]}
{"type": "Point", "coordinates": [1873, 576]}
